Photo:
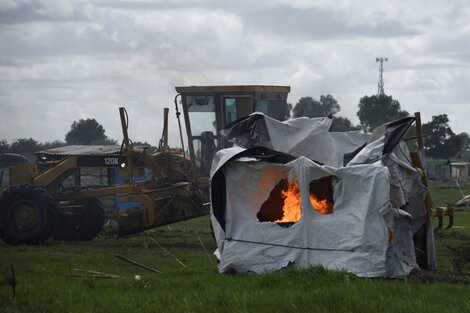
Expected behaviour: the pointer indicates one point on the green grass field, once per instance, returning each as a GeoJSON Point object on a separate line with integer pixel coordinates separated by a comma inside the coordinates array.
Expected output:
{"type": "Point", "coordinates": [189, 282]}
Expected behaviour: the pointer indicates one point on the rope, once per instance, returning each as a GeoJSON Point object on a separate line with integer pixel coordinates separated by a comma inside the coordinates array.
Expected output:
{"type": "Point", "coordinates": [293, 247]}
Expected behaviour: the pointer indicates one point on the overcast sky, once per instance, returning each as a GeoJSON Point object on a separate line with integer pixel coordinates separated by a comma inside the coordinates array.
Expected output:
{"type": "Point", "coordinates": [65, 60]}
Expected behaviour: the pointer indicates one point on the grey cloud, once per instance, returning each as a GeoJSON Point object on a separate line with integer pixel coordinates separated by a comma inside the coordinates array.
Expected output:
{"type": "Point", "coordinates": [51, 41]}
{"type": "Point", "coordinates": [318, 24]}
{"type": "Point", "coordinates": [85, 60]}
{"type": "Point", "coordinates": [450, 47]}
{"type": "Point", "coordinates": [33, 30]}
{"type": "Point", "coordinates": [6, 62]}
{"type": "Point", "coordinates": [228, 6]}
{"type": "Point", "coordinates": [36, 11]}
{"type": "Point", "coordinates": [145, 5]}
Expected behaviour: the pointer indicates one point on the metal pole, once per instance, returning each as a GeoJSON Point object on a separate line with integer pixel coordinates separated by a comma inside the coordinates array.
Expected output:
{"type": "Point", "coordinates": [380, 89]}
{"type": "Point", "coordinates": [128, 148]}
{"type": "Point", "coordinates": [165, 126]}
{"type": "Point", "coordinates": [178, 113]}
{"type": "Point", "coordinates": [122, 114]}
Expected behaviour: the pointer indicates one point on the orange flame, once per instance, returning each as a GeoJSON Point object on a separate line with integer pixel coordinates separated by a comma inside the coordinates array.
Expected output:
{"type": "Point", "coordinates": [291, 208]}
{"type": "Point", "coordinates": [322, 206]}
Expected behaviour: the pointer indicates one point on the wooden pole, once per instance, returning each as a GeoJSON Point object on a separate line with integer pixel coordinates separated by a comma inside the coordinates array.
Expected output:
{"type": "Point", "coordinates": [96, 273]}
{"type": "Point", "coordinates": [137, 264]}
{"type": "Point", "coordinates": [158, 244]}
{"type": "Point", "coordinates": [419, 131]}
{"type": "Point", "coordinates": [205, 250]}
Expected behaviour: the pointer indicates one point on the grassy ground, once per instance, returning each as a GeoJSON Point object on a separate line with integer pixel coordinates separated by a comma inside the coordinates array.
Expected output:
{"type": "Point", "coordinates": [45, 285]}
{"type": "Point", "coordinates": [454, 244]}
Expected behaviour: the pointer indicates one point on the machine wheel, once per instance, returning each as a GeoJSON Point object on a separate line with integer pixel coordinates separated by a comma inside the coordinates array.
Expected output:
{"type": "Point", "coordinates": [94, 220]}
{"type": "Point", "coordinates": [27, 215]}
{"type": "Point", "coordinates": [86, 225]}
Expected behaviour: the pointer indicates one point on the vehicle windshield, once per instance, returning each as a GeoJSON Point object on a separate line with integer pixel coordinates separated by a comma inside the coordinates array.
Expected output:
{"type": "Point", "coordinates": [272, 108]}
{"type": "Point", "coordinates": [201, 114]}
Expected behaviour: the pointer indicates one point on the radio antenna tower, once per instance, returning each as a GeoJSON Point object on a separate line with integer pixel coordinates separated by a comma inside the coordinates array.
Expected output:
{"type": "Point", "coordinates": [380, 89]}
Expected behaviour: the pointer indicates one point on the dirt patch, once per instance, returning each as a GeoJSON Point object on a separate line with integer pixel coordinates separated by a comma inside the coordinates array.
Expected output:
{"type": "Point", "coordinates": [460, 257]}
{"type": "Point", "coordinates": [423, 276]}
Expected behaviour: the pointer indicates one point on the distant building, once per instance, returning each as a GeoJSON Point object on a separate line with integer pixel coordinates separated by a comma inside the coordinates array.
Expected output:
{"type": "Point", "coordinates": [439, 170]}
{"type": "Point", "coordinates": [446, 170]}
{"type": "Point", "coordinates": [459, 169]}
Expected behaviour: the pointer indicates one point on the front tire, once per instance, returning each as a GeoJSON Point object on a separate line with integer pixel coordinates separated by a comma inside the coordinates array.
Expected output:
{"type": "Point", "coordinates": [84, 225]}
{"type": "Point", "coordinates": [27, 215]}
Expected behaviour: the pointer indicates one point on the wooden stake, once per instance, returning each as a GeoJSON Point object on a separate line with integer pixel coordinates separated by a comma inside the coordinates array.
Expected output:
{"type": "Point", "coordinates": [182, 264]}
{"type": "Point", "coordinates": [168, 252]}
{"type": "Point", "coordinates": [205, 250]}
{"type": "Point", "coordinates": [90, 275]}
{"type": "Point", "coordinates": [158, 244]}
{"type": "Point", "coordinates": [96, 273]}
{"type": "Point", "coordinates": [137, 264]}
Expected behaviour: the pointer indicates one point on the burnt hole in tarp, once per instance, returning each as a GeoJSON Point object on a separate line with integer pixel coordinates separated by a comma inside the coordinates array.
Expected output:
{"type": "Point", "coordinates": [321, 195]}
{"type": "Point", "coordinates": [283, 204]}
{"type": "Point", "coordinates": [271, 209]}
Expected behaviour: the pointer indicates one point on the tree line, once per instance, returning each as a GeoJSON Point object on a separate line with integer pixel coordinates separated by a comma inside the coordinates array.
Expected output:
{"type": "Point", "coordinates": [440, 140]}
{"type": "Point", "coordinates": [84, 132]}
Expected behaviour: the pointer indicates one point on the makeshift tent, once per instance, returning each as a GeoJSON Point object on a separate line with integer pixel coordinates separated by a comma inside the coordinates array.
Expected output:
{"type": "Point", "coordinates": [295, 194]}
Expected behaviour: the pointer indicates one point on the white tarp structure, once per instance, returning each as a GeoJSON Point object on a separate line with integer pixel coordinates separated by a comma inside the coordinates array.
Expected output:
{"type": "Point", "coordinates": [378, 220]}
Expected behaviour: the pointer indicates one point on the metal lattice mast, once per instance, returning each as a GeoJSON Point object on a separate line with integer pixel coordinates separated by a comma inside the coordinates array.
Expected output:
{"type": "Point", "coordinates": [380, 89]}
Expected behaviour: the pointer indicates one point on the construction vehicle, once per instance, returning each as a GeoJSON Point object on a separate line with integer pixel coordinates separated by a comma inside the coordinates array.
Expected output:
{"type": "Point", "coordinates": [41, 202]}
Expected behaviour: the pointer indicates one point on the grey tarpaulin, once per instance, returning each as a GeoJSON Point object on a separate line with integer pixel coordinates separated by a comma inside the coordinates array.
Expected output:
{"type": "Point", "coordinates": [369, 233]}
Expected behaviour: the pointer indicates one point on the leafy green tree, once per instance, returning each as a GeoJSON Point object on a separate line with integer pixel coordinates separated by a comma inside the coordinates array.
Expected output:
{"type": "Point", "coordinates": [309, 107]}
{"type": "Point", "coordinates": [141, 144]}
{"type": "Point", "coordinates": [452, 147]}
{"type": "Point", "coordinates": [440, 140]}
{"type": "Point", "coordinates": [24, 145]}
{"type": "Point", "coordinates": [330, 104]}
{"type": "Point", "coordinates": [343, 124]}
{"type": "Point", "coordinates": [377, 110]}
{"type": "Point", "coordinates": [105, 142]}
{"type": "Point", "coordinates": [53, 144]}
{"type": "Point", "coordinates": [87, 132]}
{"type": "Point", "coordinates": [464, 141]}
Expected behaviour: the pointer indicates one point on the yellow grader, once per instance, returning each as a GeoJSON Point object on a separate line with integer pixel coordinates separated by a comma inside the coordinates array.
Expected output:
{"type": "Point", "coordinates": [38, 203]}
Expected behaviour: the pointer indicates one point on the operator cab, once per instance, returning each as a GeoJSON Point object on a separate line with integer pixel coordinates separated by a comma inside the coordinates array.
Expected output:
{"type": "Point", "coordinates": [208, 109]}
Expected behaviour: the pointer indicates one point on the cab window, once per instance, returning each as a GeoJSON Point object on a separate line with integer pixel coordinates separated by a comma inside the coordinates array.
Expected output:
{"type": "Point", "coordinates": [236, 108]}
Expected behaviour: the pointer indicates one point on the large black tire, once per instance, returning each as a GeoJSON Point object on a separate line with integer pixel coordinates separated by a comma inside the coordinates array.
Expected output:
{"type": "Point", "coordinates": [85, 225]}
{"type": "Point", "coordinates": [27, 215]}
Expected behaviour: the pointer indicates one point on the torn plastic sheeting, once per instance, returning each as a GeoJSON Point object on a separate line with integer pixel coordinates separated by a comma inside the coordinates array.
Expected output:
{"type": "Point", "coordinates": [354, 238]}
{"type": "Point", "coordinates": [296, 137]}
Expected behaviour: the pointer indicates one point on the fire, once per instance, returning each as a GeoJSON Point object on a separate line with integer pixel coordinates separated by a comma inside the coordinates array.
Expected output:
{"type": "Point", "coordinates": [322, 206]}
{"type": "Point", "coordinates": [291, 208]}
